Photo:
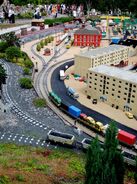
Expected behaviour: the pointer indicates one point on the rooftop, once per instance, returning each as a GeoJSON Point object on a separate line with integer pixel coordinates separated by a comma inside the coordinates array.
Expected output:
{"type": "Point", "coordinates": [116, 72]}
{"type": "Point", "coordinates": [88, 30]}
{"type": "Point", "coordinates": [102, 51]}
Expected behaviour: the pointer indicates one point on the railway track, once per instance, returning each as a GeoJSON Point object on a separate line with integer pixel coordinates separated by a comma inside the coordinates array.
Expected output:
{"type": "Point", "coordinates": [42, 83]}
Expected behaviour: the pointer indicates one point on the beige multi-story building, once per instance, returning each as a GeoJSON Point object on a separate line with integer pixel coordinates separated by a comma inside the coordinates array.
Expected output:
{"type": "Point", "coordinates": [112, 54]}
{"type": "Point", "coordinates": [117, 87]}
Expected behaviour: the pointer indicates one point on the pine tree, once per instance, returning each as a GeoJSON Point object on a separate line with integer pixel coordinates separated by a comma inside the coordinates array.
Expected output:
{"type": "Point", "coordinates": [94, 163]}
{"type": "Point", "coordinates": [135, 175]}
{"type": "Point", "coordinates": [112, 157]}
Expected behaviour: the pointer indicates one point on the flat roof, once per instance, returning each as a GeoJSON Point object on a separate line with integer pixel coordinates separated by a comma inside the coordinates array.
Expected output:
{"type": "Point", "coordinates": [116, 72]}
{"type": "Point", "coordinates": [102, 51]}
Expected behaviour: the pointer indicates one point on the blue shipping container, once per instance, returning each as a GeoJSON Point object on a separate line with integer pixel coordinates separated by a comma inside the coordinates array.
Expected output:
{"type": "Point", "coordinates": [115, 39]}
{"type": "Point", "coordinates": [74, 111]}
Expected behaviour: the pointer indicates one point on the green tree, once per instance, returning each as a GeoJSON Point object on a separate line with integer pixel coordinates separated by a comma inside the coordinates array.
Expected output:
{"type": "Point", "coordinates": [3, 46]}
{"type": "Point", "coordinates": [38, 47]}
{"type": "Point", "coordinates": [13, 52]}
{"type": "Point", "coordinates": [111, 156]}
{"type": "Point", "coordinates": [94, 163]}
{"type": "Point", "coordinates": [42, 43]}
{"type": "Point", "coordinates": [135, 175]}
{"type": "Point", "coordinates": [10, 38]}
{"type": "Point", "coordinates": [25, 83]}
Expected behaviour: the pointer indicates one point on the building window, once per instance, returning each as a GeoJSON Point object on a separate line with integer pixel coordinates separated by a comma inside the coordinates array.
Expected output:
{"type": "Point", "coordinates": [100, 85]}
{"type": "Point", "coordinates": [132, 101]}
{"type": "Point", "coordinates": [90, 77]}
{"type": "Point", "coordinates": [100, 90]}
{"type": "Point", "coordinates": [134, 86]}
{"type": "Point", "coordinates": [95, 88]}
{"type": "Point", "coordinates": [114, 80]}
{"type": "Point", "coordinates": [124, 98]}
{"type": "Point", "coordinates": [134, 91]}
{"type": "Point", "coordinates": [126, 83]}
{"type": "Point", "coordinates": [125, 93]}
{"type": "Point", "coordinates": [90, 73]}
{"type": "Point", "coordinates": [95, 74]}
{"type": "Point", "coordinates": [119, 81]}
{"type": "Point", "coordinates": [112, 94]}
{"type": "Point", "coordinates": [106, 92]}
{"type": "Point", "coordinates": [108, 78]}
{"type": "Point", "coordinates": [125, 88]}
{"type": "Point", "coordinates": [100, 80]}
{"type": "Point", "coordinates": [113, 89]}
{"type": "Point", "coordinates": [133, 96]}
{"type": "Point", "coordinates": [95, 83]}
{"type": "Point", "coordinates": [119, 86]}
{"type": "Point", "coordinates": [113, 84]}
{"type": "Point", "coordinates": [118, 96]}
{"type": "Point", "coordinates": [107, 82]}
{"type": "Point", "coordinates": [90, 82]}
{"type": "Point", "coordinates": [95, 79]}
{"type": "Point", "coordinates": [107, 87]}
{"type": "Point", "coordinates": [119, 91]}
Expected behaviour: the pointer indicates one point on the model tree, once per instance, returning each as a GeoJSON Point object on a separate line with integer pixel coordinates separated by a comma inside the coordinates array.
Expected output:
{"type": "Point", "coordinates": [94, 163]}
{"type": "Point", "coordinates": [105, 166]}
{"type": "Point", "coordinates": [113, 157]}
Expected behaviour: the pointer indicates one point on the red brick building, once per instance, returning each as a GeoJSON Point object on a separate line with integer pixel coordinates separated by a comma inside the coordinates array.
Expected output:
{"type": "Point", "coordinates": [87, 36]}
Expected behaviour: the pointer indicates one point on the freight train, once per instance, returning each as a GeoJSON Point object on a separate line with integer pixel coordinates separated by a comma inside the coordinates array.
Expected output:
{"type": "Point", "coordinates": [69, 140]}
{"type": "Point", "coordinates": [124, 137]}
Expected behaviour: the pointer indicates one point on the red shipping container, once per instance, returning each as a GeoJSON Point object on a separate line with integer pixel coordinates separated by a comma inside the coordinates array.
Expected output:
{"type": "Point", "coordinates": [126, 137]}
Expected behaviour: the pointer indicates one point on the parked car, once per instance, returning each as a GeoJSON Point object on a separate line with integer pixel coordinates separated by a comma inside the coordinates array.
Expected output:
{"type": "Point", "coordinates": [129, 115]}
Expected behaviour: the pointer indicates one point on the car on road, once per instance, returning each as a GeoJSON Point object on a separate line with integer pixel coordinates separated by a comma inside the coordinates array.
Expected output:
{"type": "Point", "coordinates": [129, 115]}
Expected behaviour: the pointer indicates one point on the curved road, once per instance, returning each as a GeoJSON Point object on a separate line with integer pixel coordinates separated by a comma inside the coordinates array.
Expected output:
{"type": "Point", "coordinates": [60, 89]}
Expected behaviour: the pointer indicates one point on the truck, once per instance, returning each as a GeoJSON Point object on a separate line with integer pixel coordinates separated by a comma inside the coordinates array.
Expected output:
{"type": "Point", "coordinates": [126, 138]}
{"type": "Point", "coordinates": [62, 75]}
{"type": "Point", "coordinates": [71, 92]}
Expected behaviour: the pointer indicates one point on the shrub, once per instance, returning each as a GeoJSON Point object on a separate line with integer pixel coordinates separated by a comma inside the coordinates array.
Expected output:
{"type": "Point", "coordinates": [39, 102]}
{"type": "Point", "coordinates": [28, 63]}
{"type": "Point", "coordinates": [42, 43]}
{"type": "Point", "coordinates": [52, 38]}
{"type": "Point", "coordinates": [20, 177]}
{"type": "Point", "coordinates": [13, 52]}
{"type": "Point", "coordinates": [2, 55]}
{"type": "Point", "coordinates": [4, 179]}
{"type": "Point", "coordinates": [45, 41]}
{"type": "Point", "coordinates": [49, 38]}
{"type": "Point", "coordinates": [3, 46]}
{"type": "Point", "coordinates": [38, 47]}
{"type": "Point", "coordinates": [27, 15]}
{"type": "Point", "coordinates": [61, 20]}
{"type": "Point", "coordinates": [25, 83]}
{"type": "Point", "coordinates": [26, 71]}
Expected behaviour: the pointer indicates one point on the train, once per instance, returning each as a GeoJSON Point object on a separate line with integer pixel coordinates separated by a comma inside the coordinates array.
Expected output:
{"type": "Point", "coordinates": [124, 137]}
{"type": "Point", "coordinates": [69, 140]}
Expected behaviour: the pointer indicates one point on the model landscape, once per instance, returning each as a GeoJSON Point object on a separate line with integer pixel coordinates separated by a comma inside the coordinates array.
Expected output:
{"type": "Point", "coordinates": [68, 84]}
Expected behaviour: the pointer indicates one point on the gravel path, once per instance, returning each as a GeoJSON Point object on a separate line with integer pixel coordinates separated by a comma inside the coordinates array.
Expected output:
{"type": "Point", "coordinates": [38, 121]}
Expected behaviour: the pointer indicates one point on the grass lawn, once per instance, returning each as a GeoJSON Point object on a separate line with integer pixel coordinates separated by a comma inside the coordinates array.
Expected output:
{"type": "Point", "coordinates": [25, 164]}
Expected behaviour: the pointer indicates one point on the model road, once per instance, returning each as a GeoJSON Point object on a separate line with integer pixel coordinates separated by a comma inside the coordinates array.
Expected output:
{"type": "Point", "coordinates": [59, 88]}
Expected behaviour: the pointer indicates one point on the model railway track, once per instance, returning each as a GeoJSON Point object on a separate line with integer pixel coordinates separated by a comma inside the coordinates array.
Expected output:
{"type": "Point", "coordinates": [44, 92]}
{"type": "Point", "coordinates": [63, 116]}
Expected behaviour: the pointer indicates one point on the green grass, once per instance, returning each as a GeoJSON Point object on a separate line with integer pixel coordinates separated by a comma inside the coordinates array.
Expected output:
{"type": "Point", "coordinates": [39, 102]}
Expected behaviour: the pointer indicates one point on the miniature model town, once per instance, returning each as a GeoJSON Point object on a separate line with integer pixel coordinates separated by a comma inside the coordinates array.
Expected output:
{"type": "Point", "coordinates": [86, 73]}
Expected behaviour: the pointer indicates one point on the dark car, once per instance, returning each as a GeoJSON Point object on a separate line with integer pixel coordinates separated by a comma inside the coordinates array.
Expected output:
{"type": "Point", "coordinates": [94, 101]}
